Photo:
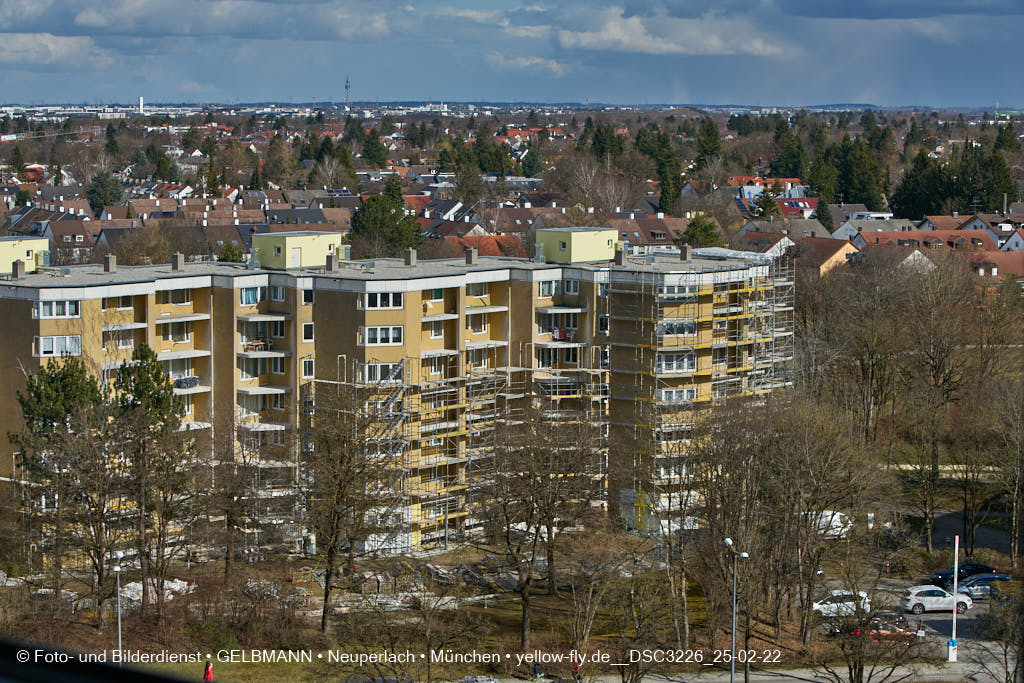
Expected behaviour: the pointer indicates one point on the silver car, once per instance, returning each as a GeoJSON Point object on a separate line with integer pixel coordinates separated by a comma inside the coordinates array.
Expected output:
{"type": "Point", "coordinates": [921, 599]}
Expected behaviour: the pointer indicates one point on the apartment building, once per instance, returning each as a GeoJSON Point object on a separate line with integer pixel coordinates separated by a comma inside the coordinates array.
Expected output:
{"type": "Point", "coordinates": [452, 347]}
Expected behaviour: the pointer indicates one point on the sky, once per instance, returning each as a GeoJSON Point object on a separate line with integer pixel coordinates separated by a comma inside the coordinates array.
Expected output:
{"type": "Point", "coordinates": [940, 53]}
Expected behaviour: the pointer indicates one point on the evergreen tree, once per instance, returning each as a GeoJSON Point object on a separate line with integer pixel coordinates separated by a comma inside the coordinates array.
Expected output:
{"type": "Point", "coordinates": [1006, 140]}
{"type": "Point", "coordinates": [824, 216]}
{"type": "Point", "coordinates": [163, 168]}
{"type": "Point", "coordinates": [860, 176]}
{"type": "Point", "coordinates": [374, 151]}
{"type": "Point", "coordinates": [701, 231]}
{"type": "Point", "coordinates": [533, 162]}
{"type": "Point", "coordinates": [766, 204]}
{"type": "Point", "coordinates": [213, 186]}
{"type": "Point", "coordinates": [791, 159]}
{"type": "Point", "coordinates": [393, 190]}
{"type": "Point", "coordinates": [255, 182]}
{"type": "Point", "coordinates": [709, 142]}
{"type": "Point", "coordinates": [230, 253]}
{"type": "Point", "coordinates": [17, 161]}
{"type": "Point", "coordinates": [104, 190]}
{"type": "Point", "coordinates": [922, 191]}
{"type": "Point", "coordinates": [380, 226]}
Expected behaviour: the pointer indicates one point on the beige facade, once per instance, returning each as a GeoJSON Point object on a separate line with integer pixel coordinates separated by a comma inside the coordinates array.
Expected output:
{"type": "Point", "coordinates": [451, 345]}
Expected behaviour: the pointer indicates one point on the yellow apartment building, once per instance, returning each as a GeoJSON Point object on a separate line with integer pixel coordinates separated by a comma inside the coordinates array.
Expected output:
{"type": "Point", "coordinates": [452, 345]}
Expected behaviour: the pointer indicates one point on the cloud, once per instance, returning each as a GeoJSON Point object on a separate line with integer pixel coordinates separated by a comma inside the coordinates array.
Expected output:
{"type": "Point", "coordinates": [480, 16]}
{"type": "Point", "coordinates": [671, 36]}
{"type": "Point", "coordinates": [46, 49]}
{"type": "Point", "coordinates": [528, 63]}
{"type": "Point", "coordinates": [528, 31]}
{"type": "Point", "coordinates": [898, 9]}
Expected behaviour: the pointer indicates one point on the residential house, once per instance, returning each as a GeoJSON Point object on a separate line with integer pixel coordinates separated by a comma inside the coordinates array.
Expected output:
{"type": "Point", "coordinates": [768, 243]}
{"type": "Point", "coordinates": [816, 256]}
{"type": "Point", "coordinates": [851, 228]}
{"type": "Point", "coordinates": [931, 239]}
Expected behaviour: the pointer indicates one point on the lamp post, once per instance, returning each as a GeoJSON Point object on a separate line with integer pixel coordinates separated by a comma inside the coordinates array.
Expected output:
{"type": "Point", "coordinates": [732, 653]}
{"type": "Point", "coordinates": [117, 576]}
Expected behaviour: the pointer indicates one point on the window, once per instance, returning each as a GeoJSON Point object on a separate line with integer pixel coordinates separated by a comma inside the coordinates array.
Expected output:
{"type": "Point", "coordinates": [383, 300]}
{"type": "Point", "coordinates": [677, 362]}
{"type": "Point", "coordinates": [476, 289]}
{"type": "Point", "coordinates": [179, 368]}
{"type": "Point", "coordinates": [549, 288]}
{"type": "Point", "coordinates": [678, 395]}
{"type": "Point", "coordinates": [176, 296]}
{"type": "Point", "coordinates": [125, 341]}
{"type": "Point", "coordinates": [58, 309]}
{"type": "Point", "coordinates": [679, 327]}
{"type": "Point", "coordinates": [559, 321]}
{"type": "Point", "coordinates": [603, 289]}
{"type": "Point", "coordinates": [277, 366]}
{"type": "Point", "coordinates": [571, 286]}
{"type": "Point", "coordinates": [382, 372]}
{"type": "Point", "coordinates": [277, 293]}
{"type": "Point", "coordinates": [124, 303]}
{"type": "Point", "coordinates": [547, 357]}
{"type": "Point", "coordinates": [59, 346]}
{"type": "Point", "coordinates": [436, 329]}
{"type": "Point", "coordinates": [477, 358]}
{"type": "Point", "coordinates": [307, 368]}
{"type": "Point", "coordinates": [307, 332]}
{"type": "Point", "coordinates": [437, 294]}
{"type": "Point", "coordinates": [177, 333]}
{"type": "Point", "coordinates": [382, 336]}
{"type": "Point", "coordinates": [253, 367]}
{"type": "Point", "coordinates": [277, 401]}
{"type": "Point", "coordinates": [307, 297]}
{"type": "Point", "coordinates": [602, 323]}
{"type": "Point", "coordinates": [477, 322]}
{"type": "Point", "coordinates": [570, 356]}
{"type": "Point", "coordinates": [436, 365]}
{"type": "Point", "coordinates": [562, 246]}
{"type": "Point", "coordinates": [186, 405]}
{"type": "Point", "coordinates": [606, 357]}
{"type": "Point", "coordinates": [679, 292]}
{"type": "Point", "coordinates": [277, 329]}
{"type": "Point", "coordinates": [249, 296]}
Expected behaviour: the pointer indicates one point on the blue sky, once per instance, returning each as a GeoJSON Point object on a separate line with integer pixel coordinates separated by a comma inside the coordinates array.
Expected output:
{"type": "Point", "coordinates": [782, 52]}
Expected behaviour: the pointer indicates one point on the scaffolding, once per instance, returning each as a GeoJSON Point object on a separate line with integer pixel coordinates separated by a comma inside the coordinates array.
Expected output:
{"type": "Point", "coordinates": [685, 338]}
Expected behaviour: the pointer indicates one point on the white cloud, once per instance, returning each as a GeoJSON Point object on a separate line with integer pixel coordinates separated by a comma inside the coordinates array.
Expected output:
{"type": "Point", "coordinates": [528, 63]}
{"type": "Point", "coordinates": [46, 49]}
{"type": "Point", "coordinates": [480, 16]}
{"type": "Point", "coordinates": [661, 35]}
{"type": "Point", "coordinates": [528, 31]}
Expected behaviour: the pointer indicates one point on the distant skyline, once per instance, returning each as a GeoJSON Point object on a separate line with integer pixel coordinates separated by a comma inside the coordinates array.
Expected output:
{"type": "Point", "coordinates": [938, 53]}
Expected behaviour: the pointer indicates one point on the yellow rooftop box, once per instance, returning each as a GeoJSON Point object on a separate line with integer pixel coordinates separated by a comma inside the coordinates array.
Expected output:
{"type": "Point", "coordinates": [575, 245]}
{"type": "Point", "coordinates": [301, 249]}
{"type": "Point", "coordinates": [32, 250]}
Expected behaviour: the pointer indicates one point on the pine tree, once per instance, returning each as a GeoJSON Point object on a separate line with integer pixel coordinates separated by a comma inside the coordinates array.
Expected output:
{"type": "Point", "coordinates": [1006, 140]}
{"type": "Point", "coordinates": [701, 231]}
{"type": "Point", "coordinates": [17, 162]}
{"type": "Point", "coordinates": [709, 142]}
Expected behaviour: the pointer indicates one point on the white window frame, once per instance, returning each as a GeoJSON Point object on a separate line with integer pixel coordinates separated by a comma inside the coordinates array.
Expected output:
{"type": "Point", "coordinates": [383, 300]}
{"type": "Point", "coordinates": [308, 368]}
{"type": "Point", "coordinates": [277, 365]}
{"type": "Point", "coordinates": [436, 294]}
{"type": "Point", "coordinates": [684, 361]}
{"type": "Point", "coordinates": [168, 332]}
{"type": "Point", "coordinates": [570, 355]}
{"type": "Point", "coordinates": [277, 402]}
{"type": "Point", "coordinates": [571, 286]}
{"type": "Point", "coordinates": [245, 300]}
{"type": "Point", "coordinates": [277, 329]}
{"type": "Point", "coordinates": [371, 336]}
{"type": "Point", "coordinates": [436, 329]}
{"type": "Point", "coordinates": [69, 345]}
{"type": "Point", "coordinates": [436, 365]}
{"type": "Point", "coordinates": [683, 327]}
{"type": "Point", "coordinates": [45, 310]}
{"type": "Point", "coordinates": [379, 372]}
{"type": "Point", "coordinates": [277, 293]}
{"type": "Point", "coordinates": [680, 395]}
{"type": "Point", "coordinates": [549, 288]}
{"type": "Point", "coordinates": [604, 324]}
{"type": "Point", "coordinates": [308, 332]}
{"type": "Point", "coordinates": [477, 322]}
{"type": "Point", "coordinates": [473, 287]}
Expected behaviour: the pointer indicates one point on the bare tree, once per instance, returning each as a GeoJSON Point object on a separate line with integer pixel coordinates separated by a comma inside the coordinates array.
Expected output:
{"type": "Point", "coordinates": [352, 485]}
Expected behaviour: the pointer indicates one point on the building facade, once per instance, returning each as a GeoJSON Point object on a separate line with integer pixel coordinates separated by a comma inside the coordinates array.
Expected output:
{"type": "Point", "coordinates": [453, 346]}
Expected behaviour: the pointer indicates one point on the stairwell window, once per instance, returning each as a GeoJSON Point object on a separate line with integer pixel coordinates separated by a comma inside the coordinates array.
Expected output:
{"type": "Point", "coordinates": [307, 368]}
{"type": "Point", "coordinates": [571, 286]}
{"type": "Point", "coordinates": [70, 345]}
{"type": "Point", "coordinates": [382, 336]}
{"type": "Point", "coordinates": [307, 332]}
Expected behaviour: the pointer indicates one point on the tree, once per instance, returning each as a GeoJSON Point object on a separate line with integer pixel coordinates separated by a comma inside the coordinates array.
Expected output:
{"type": "Point", "coordinates": [231, 254]}
{"type": "Point", "coordinates": [104, 190]}
{"type": "Point", "coordinates": [700, 232]}
{"type": "Point", "coordinates": [533, 162]}
{"type": "Point", "coordinates": [709, 142]}
{"type": "Point", "coordinates": [353, 490]}
{"type": "Point", "coordinates": [381, 226]}
{"type": "Point", "coordinates": [255, 181]}
{"type": "Point", "coordinates": [374, 151]}
{"type": "Point", "coordinates": [1006, 140]}
{"type": "Point", "coordinates": [765, 202]}
{"type": "Point", "coordinates": [17, 161]}
{"type": "Point", "coordinates": [469, 184]}
{"type": "Point", "coordinates": [923, 190]}
{"type": "Point", "coordinates": [860, 176]}
{"type": "Point", "coordinates": [212, 180]}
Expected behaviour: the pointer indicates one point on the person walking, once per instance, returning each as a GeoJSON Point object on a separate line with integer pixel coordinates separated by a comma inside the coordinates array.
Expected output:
{"type": "Point", "coordinates": [208, 672]}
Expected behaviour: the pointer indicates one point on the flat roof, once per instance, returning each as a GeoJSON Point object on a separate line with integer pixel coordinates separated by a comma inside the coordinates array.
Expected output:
{"type": "Point", "coordinates": [576, 229]}
{"type": "Point", "coordinates": [93, 275]}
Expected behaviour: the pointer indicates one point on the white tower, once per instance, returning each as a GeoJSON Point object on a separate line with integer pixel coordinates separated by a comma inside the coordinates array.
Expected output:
{"type": "Point", "coordinates": [142, 110]}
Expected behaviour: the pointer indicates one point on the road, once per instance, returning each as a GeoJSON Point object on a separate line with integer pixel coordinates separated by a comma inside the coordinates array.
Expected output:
{"type": "Point", "coordinates": [949, 523]}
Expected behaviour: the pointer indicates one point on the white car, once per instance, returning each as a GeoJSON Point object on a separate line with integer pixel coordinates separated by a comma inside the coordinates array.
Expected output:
{"type": "Point", "coordinates": [921, 599]}
{"type": "Point", "coordinates": [841, 603]}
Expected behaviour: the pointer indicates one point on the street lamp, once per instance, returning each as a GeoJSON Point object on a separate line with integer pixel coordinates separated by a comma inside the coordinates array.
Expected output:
{"type": "Point", "coordinates": [732, 654]}
{"type": "Point", "coordinates": [117, 575]}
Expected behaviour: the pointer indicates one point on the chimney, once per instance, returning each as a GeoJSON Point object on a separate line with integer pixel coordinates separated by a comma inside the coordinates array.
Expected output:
{"type": "Point", "coordinates": [538, 252]}
{"type": "Point", "coordinates": [332, 263]}
{"type": "Point", "coordinates": [527, 205]}
{"type": "Point", "coordinates": [685, 252]}
{"type": "Point", "coordinates": [236, 221]}
{"type": "Point", "coordinates": [18, 269]}
{"type": "Point", "coordinates": [158, 203]}
{"type": "Point", "coordinates": [620, 257]}
{"type": "Point", "coordinates": [660, 215]}
{"type": "Point", "coordinates": [410, 257]}
{"type": "Point", "coordinates": [346, 252]}
{"type": "Point", "coordinates": [1004, 203]}
{"type": "Point", "coordinates": [554, 205]}
{"type": "Point", "coordinates": [204, 222]}
{"type": "Point", "coordinates": [956, 215]}
{"type": "Point", "coordinates": [472, 255]}
{"type": "Point", "coordinates": [254, 259]}
{"type": "Point", "coordinates": [177, 261]}
{"type": "Point", "coordinates": [109, 263]}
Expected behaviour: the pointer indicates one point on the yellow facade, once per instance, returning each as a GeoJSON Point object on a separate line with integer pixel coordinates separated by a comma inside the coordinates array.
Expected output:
{"type": "Point", "coordinates": [449, 346]}
{"type": "Point", "coordinates": [577, 245]}
{"type": "Point", "coordinates": [303, 249]}
{"type": "Point", "coordinates": [31, 251]}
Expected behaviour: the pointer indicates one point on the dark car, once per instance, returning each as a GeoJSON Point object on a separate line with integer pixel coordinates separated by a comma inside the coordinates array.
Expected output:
{"type": "Point", "coordinates": [979, 585]}
{"type": "Point", "coordinates": [965, 569]}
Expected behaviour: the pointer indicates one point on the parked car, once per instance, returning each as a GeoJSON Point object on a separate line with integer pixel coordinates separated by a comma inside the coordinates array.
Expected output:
{"type": "Point", "coordinates": [921, 599]}
{"type": "Point", "coordinates": [964, 569]}
{"type": "Point", "coordinates": [841, 603]}
{"type": "Point", "coordinates": [978, 586]}
{"type": "Point", "coordinates": [891, 627]}
{"type": "Point", "coordinates": [831, 524]}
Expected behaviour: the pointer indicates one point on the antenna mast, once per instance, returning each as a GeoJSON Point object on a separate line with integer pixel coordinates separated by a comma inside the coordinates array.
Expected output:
{"type": "Point", "coordinates": [348, 90]}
